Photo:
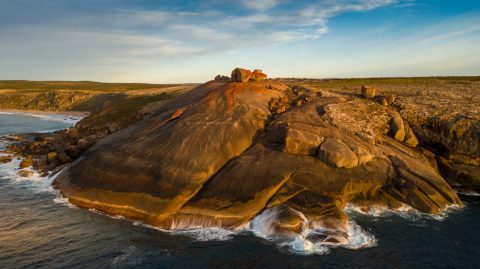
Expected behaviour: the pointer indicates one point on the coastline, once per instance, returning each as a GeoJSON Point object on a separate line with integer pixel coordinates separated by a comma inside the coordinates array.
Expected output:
{"type": "Point", "coordinates": [46, 113]}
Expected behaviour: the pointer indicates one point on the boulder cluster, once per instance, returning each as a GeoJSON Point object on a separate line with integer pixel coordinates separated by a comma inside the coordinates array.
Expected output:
{"type": "Point", "coordinates": [399, 129]}
{"type": "Point", "coordinates": [295, 96]}
{"type": "Point", "coordinates": [369, 92]}
{"type": "Point", "coordinates": [243, 75]}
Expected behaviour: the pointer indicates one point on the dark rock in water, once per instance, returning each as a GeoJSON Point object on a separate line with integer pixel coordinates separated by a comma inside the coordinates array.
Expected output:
{"type": "Point", "coordinates": [26, 162]}
{"type": "Point", "coordinates": [221, 154]}
{"type": "Point", "coordinates": [25, 173]}
{"type": "Point", "coordinates": [52, 157]}
{"type": "Point", "coordinates": [6, 158]}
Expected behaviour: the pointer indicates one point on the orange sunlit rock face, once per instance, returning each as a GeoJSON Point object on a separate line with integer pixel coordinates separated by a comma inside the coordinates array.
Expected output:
{"type": "Point", "coordinates": [244, 75]}
{"type": "Point", "coordinates": [226, 151]}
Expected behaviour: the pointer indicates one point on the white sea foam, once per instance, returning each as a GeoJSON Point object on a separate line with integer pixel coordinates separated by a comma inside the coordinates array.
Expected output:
{"type": "Point", "coordinates": [206, 234]}
{"type": "Point", "coordinates": [405, 211]}
{"type": "Point", "coordinates": [64, 201]}
{"type": "Point", "coordinates": [356, 237]}
{"type": "Point", "coordinates": [468, 192]}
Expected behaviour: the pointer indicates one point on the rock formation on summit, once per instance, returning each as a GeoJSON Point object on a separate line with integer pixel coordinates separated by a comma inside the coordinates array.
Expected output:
{"type": "Point", "coordinates": [223, 153]}
{"type": "Point", "coordinates": [244, 75]}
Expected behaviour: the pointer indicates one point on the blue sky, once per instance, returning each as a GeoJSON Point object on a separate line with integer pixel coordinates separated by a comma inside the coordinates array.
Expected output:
{"type": "Point", "coordinates": [191, 41]}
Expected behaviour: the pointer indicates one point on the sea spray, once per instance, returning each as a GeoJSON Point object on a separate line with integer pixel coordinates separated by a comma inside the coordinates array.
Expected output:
{"type": "Point", "coordinates": [302, 243]}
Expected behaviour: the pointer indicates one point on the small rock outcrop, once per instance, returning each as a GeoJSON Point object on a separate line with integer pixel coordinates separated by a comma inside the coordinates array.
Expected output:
{"type": "Point", "coordinates": [259, 75]}
{"type": "Point", "coordinates": [390, 99]}
{"type": "Point", "coordinates": [368, 92]}
{"type": "Point", "coordinates": [221, 78]}
{"type": "Point", "coordinates": [382, 100]}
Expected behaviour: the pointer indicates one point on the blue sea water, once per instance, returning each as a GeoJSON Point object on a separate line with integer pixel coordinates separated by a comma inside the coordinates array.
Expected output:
{"type": "Point", "coordinates": [39, 229]}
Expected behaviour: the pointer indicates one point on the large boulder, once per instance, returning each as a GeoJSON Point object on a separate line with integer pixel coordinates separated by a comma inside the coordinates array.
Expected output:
{"type": "Point", "coordinates": [410, 138]}
{"type": "Point", "coordinates": [146, 171]}
{"type": "Point", "coordinates": [241, 75]}
{"type": "Point", "coordinates": [337, 153]}
{"type": "Point", "coordinates": [301, 142]}
{"type": "Point", "coordinates": [259, 75]}
{"type": "Point", "coordinates": [368, 92]}
{"type": "Point", "coordinates": [397, 128]}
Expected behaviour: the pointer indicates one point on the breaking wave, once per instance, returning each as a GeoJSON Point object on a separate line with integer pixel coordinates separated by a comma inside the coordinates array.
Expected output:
{"type": "Point", "coordinates": [406, 212]}
{"type": "Point", "coordinates": [305, 242]}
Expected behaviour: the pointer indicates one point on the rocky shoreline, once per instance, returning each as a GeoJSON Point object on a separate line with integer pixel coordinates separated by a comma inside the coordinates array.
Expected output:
{"type": "Point", "coordinates": [228, 150]}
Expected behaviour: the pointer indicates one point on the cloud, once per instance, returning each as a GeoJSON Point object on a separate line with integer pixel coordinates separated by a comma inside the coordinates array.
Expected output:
{"type": "Point", "coordinates": [186, 31]}
{"type": "Point", "coordinates": [259, 5]}
{"type": "Point", "coordinates": [111, 34]}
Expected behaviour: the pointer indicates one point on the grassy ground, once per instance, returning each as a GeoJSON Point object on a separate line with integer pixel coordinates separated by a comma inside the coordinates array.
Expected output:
{"type": "Point", "coordinates": [77, 95]}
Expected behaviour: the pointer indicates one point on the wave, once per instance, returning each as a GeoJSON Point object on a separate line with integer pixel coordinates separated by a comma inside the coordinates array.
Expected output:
{"type": "Point", "coordinates": [68, 119]}
{"type": "Point", "coordinates": [405, 211]}
{"type": "Point", "coordinates": [468, 192]}
{"type": "Point", "coordinates": [305, 242]}
{"type": "Point", "coordinates": [56, 117]}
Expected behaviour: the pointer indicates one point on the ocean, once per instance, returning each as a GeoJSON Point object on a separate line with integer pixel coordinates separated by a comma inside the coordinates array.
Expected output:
{"type": "Point", "coordinates": [40, 229]}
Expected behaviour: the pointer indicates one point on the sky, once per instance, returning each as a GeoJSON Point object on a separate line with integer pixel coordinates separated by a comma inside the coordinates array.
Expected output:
{"type": "Point", "coordinates": [177, 41]}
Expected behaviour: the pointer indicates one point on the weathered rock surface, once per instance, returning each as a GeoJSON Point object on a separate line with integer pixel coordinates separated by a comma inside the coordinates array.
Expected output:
{"type": "Point", "coordinates": [222, 154]}
{"type": "Point", "coordinates": [241, 75]}
{"type": "Point", "coordinates": [301, 141]}
{"type": "Point", "coordinates": [259, 75]}
{"type": "Point", "coordinates": [337, 153]}
{"type": "Point", "coordinates": [397, 128]}
{"type": "Point", "coordinates": [368, 92]}
{"type": "Point", "coordinates": [410, 138]}
{"type": "Point", "coordinates": [443, 114]}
